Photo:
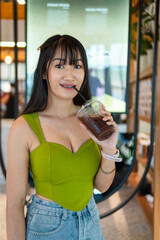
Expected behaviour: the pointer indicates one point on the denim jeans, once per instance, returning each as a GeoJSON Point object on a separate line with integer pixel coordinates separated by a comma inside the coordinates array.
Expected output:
{"type": "Point", "coordinates": [49, 221]}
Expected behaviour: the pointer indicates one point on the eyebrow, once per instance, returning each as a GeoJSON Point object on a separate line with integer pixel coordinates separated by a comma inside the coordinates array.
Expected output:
{"type": "Point", "coordinates": [62, 59]}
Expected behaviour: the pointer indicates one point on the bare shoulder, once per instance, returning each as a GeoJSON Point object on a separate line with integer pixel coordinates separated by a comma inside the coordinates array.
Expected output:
{"type": "Point", "coordinates": [19, 126]}
{"type": "Point", "coordinates": [20, 131]}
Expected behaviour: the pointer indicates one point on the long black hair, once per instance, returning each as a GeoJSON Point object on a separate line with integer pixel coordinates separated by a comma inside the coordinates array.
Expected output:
{"type": "Point", "coordinates": [69, 47]}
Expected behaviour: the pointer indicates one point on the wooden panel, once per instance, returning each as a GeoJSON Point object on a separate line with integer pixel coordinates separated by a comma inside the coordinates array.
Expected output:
{"type": "Point", "coordinates": [157, 158]}
{"type": "Point", "coordinates": [10, 52]}
{"type": "Point", "coordinates": [144, 118]}
{"type": "Point", "coordinates": [130, 121]}
{"type": "Point", "coordinates": [143, 75]}
{"type": "Point", "coordinates": [147, 207]}
{"type": "Point", "coordinates": [6, 10]}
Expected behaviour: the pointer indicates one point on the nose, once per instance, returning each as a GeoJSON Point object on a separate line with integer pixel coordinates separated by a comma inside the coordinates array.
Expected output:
{"type": "Point", "coordinates": [68, 74]}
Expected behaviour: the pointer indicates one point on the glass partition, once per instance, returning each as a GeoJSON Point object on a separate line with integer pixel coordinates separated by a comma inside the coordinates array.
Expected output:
{"type": "Point", "coordinates": [102, 27]}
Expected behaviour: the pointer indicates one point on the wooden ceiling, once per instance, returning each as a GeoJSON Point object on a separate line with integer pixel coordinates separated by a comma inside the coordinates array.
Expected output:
{"type": "Point", "coordinates": [6, 10]}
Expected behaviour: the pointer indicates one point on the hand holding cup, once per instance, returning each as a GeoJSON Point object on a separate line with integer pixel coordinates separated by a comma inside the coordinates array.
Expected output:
{"type": "Point", "coordinates": [99, 123]}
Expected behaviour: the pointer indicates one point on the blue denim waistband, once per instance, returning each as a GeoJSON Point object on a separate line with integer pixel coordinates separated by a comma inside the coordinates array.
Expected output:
{"type": "Point", "coordinates": [53, 206]}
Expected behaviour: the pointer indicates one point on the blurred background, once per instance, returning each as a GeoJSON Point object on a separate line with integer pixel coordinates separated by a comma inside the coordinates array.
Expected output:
{"type": "Point", "coordinates": [121, 39]}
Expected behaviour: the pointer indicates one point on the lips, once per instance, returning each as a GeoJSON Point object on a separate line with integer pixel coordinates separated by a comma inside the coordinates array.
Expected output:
{"type": "Point", "coordinates": [68, 85]}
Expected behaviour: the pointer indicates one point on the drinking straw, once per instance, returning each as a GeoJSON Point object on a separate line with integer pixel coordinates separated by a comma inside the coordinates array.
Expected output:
{"type": "Point", "coordinates": [79, 93]}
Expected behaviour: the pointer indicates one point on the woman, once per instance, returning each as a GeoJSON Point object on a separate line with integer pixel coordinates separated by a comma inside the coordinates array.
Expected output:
{"type": "Point", "coordinates": [64, 157]}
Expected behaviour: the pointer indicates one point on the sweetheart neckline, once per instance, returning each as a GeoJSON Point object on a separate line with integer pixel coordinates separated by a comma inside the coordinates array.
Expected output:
{"type": "Point", "coordinates": [60, 145]}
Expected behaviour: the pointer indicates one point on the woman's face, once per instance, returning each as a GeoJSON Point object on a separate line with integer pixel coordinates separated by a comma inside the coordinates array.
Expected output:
{"type": "Point", "coordinates": [63, 76]}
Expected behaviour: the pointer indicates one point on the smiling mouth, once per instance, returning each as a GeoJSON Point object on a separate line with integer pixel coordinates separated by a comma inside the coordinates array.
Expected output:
{"type": "Point", "coordinates": [67, 86]}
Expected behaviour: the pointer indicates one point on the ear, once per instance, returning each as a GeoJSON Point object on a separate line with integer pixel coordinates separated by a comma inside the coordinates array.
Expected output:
{"type": "Point", "coordinates": [44, 77]}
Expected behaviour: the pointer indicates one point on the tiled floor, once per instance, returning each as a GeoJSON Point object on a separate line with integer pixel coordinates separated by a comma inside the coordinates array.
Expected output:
{"type": "Point", "coordinates": [129, 223]}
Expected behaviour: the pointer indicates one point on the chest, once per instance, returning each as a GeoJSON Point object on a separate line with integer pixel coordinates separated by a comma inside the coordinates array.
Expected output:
{"type": "Point", "coordinates": [66, 132]}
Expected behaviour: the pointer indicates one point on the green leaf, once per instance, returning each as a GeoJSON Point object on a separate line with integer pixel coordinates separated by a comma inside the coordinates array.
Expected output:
{"type": "Point", "coordinates": [133, 55]}
{"type": "Point", "coordinates": [149, 34]}
{"type": "Point", "coordinates": [148, 20]}
{"type": "Point", "coordinates": [144, 15]}
{"type": "Point", "coordinates": [143, 51]}
{"type": "Point", "coordinates": [134, 10]}
{"type": "Point", "coordinates": [153, 10]}
{"type": "Point", "coordinates": [134, 26]}
{"type": "Point", "coordinates": [147, 44]}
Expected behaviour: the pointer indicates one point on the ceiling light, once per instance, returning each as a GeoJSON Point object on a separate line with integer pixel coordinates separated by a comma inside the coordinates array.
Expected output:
{"type": "Point", "coordinates": [21, 2]}
{"type": "Point", "coordinates": [104, 10]}
{"type": "Point", "coordinates": [8, 59]}
{"type": "Point", "coordinates": [12, 44]}
{"type": "Point", "coordinates": [63, 5]}
{"type": "Point", "coordinates": [21, 44]}
{"type": "Point", "coordinates": [7, 44]}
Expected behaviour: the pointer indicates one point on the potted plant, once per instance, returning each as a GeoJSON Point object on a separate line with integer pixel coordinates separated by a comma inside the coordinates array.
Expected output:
{"type": "Point", "coordinates": [148, 20]}
{"type": "Point", "coordinates": [146, 50]}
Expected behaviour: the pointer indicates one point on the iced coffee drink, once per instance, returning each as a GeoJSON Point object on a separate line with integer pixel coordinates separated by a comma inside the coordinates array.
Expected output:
{"type": "Point", "coordinates": [90, 115]}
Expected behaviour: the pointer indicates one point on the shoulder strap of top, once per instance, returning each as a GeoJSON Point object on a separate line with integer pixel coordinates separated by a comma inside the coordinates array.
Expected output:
{"type": "Point", "coordinates": [33, 121]}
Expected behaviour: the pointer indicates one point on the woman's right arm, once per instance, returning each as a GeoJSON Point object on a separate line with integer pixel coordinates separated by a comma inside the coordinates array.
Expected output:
{"type": "Point", "coordinates": [17, 180]}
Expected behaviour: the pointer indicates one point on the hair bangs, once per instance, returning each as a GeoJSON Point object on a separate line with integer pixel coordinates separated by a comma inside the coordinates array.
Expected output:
{"type": "Point", "coordinates": [69, 52]}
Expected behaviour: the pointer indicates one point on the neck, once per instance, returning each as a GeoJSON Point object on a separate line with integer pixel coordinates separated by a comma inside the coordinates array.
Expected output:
{"type": "Point", "coordinates": [61, 108]}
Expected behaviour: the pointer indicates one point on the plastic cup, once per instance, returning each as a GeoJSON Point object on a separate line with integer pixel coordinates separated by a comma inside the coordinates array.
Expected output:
{"type": "Point", "coordinates": [90, 115]}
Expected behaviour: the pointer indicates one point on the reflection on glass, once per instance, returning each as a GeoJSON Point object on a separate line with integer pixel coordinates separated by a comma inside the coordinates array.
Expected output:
{"type": "Point", "coordinates": [102, 27]}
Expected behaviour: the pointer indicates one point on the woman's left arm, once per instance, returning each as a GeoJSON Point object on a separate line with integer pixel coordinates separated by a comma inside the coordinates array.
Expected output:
{"type": "Point", "coordinates": [106, 172]}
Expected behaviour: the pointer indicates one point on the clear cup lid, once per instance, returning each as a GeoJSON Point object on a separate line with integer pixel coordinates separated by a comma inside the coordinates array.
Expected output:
{"type": "Point", "coordinates": [90, 105]}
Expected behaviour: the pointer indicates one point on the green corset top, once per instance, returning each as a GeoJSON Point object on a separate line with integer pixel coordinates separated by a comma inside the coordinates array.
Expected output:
{"type": "Point", "coordinates": [60, 175]}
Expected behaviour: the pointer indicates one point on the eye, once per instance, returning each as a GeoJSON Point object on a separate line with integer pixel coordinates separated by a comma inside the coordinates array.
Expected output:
{"type": "Point", "coordinates": [59, 66]}
{"type": "Point", "coordinates": [77, 66]}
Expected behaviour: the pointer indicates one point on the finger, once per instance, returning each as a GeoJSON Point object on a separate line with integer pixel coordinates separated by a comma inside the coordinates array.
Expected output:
{"type": "Point", "coordinates": [103, 107]}
{"type": "Point", "coordinates": [105, 112]}
{"type": "Point", "coordinates": [107, 118]}
{"type": "Point", "coordinates": [112, 123]}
